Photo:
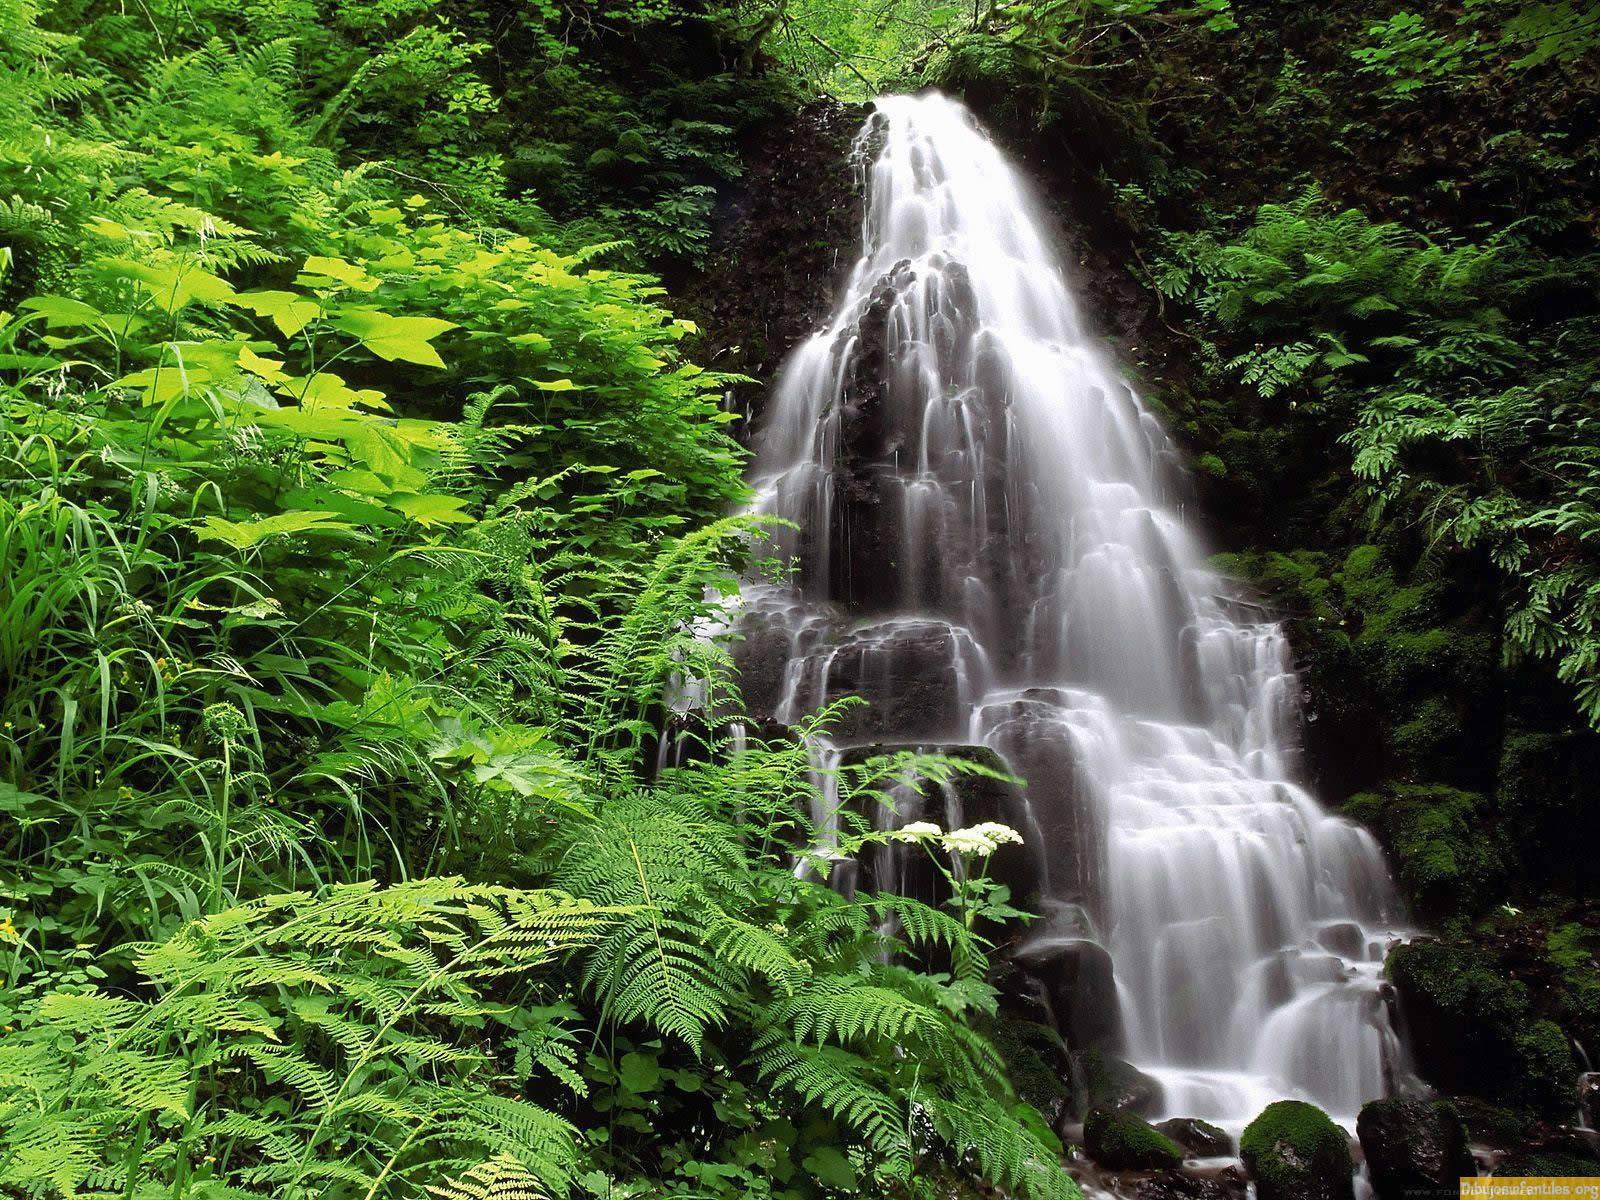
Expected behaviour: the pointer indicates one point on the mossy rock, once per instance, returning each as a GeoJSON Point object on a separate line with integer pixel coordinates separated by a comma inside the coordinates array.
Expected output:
{"type": "Point", "coordinates": [1473, 1029]}
{"type": "Point", "coordinates": [1491, 1125]}
{"type": "Point", "coordinates": [1296, 1152]}
{"type": "Point", "coordinates": [1036, 1061]}
{"type": "Point", "coordinates": [1123, 1141]}
{"type": "Point", "coordinates": [1435, 838]}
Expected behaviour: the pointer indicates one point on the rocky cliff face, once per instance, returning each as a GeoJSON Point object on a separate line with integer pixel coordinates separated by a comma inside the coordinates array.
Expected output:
{"type": "Point", "coordinates": [783, 239]}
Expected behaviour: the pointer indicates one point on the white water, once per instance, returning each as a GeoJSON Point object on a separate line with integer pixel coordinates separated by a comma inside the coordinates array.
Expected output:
{"type": "Point", "coordinates": [990, 549]}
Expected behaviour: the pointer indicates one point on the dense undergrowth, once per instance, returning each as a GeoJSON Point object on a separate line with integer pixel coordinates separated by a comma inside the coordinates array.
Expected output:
{"type": "Point", "coordinates": [356, 530]}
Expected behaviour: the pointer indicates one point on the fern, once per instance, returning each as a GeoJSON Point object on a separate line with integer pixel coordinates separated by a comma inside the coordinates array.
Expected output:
{"type": "Point", "coordinates": [293, 1000]}
{"type": "Point", "coordinates": [500, 1178]}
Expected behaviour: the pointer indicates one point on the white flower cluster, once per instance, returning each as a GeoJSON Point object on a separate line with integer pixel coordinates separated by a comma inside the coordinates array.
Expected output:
{"type": "Point", "coordinates": [984, 838]}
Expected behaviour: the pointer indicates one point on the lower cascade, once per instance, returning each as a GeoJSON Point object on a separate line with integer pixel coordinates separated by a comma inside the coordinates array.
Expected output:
{"type": "Point", "coordinates": [990, 549]}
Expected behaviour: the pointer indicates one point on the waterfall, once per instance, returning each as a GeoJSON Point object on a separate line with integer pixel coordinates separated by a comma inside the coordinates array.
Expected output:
{"type": "Point", "coordinates": [989, 549]}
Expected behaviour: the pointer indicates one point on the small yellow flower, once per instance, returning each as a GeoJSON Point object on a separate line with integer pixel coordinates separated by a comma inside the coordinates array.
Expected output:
{"type": "Point", "coordinates": [8, 931]}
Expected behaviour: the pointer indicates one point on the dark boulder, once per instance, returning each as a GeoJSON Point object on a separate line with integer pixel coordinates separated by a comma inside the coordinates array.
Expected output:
{"type": "Point", "coordinates": [1344, 938]}
{"type": "Point", "coordinates": [1295, 1152]}
{"type": "Point", "coordinates": [1200, 1138]}
{"type": "Point", "coordinates": [1031, 733]}
{"type": "Point", "coordinates": [1124, 1141]}
{"type": "Point", "coordinates": [911, 673]}
{"type": "Point", "coordinates": [1109, 1082]}
{"type": "Point", "coordinates": [1037, 1062]}
{"type": "Point", "coordinates": [1414, 1147]}
{"type": "Point", "coordinates": [1557, 1143]}
{"type": "Point", "coordinates": [1490, 1124]}
{"type": "Point", "coordinates": [1077, 976]}
{"type": "Point", "coordinates": [1227, 1184]}
{"type": "Point", "coordinates": [1475, 1029]}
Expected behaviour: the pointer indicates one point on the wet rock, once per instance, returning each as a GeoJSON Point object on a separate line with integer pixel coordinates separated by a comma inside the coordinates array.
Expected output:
{"type": "Point", "coordinates": [1589, 1099]}
{"type": "Point", "coordinates": [913, 675]}
{"type": "Point", "coordinates": [761, 655]}
{"type": "Point", "coordinates": [1344, 938]}
{"type": "Point", "coordinates": [1227, 1184]}
{"type": "Point", "coordinates": [1124, 1141]}
{"type": "Point", "coordinates": [1545, 1140]}
{"type": "Point", "coordinates": [1030, 733]}
{"type": "Point", "coordinates": [1414, 1147]}
{"type": "Point", "coordinates": [1294, 1151]}
{"type": "Point", "coordinates": [781, 241]}
{"type": "Point", "coordinates": [1200, 1138]}
{"type": "Point", "coordinates": [1112, 1083]}
{"type": "Point", "coordinates": [1037, 1062]}
{"type": "Point", "coordinates": [1076, 974]}
{"type": "Point", "coordinates": [1490, 1124]}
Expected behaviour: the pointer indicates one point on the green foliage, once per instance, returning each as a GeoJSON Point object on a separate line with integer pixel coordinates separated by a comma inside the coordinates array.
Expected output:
{"type": "Point", "coordinates": [1476, 424]}
{"type": "Point", "coordinates": [358, 533]}
{"type": "Point", "coordinates": [1121, 1140]}
{"type": "Point", "coordinates": [1483, 1034]}
{"type": "Point", "coordinates": [1436, 836]}
{"type": "Point", "coordinates": [1409, 53]}
{"type": "Point", "coordinates": [1550, 1164]}
{"type": "Point", "coordinates": [297, 1046]}
{"type": "Point", "coordinates": [1292, 1147]}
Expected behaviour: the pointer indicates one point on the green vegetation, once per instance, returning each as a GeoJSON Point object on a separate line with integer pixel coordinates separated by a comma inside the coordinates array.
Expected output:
{"type": "Point", "coordinates": [1476, 1030]}
{"type": "Point", "coordinates": [1120, 1140]}
{"type": "Point", "coordinates": [1444, 865]}
{"type": "Point", "coordinates": [1294, 1149]}
{"type": "Point", "coordinates": [1480, 431]}
{"type": "Point", "coordinates": [356, 526]}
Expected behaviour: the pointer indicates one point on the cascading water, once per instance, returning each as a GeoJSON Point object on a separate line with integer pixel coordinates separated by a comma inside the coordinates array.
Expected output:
{"type": "Point", "coordinates": [989, 551]}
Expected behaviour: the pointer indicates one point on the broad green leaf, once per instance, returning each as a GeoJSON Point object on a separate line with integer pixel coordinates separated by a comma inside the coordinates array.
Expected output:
{"type": "Point", "coordinates": [168, 382]}
{"type": "Point", "coordinates": [391, 338]}
{"type": "Point", "coordinates": [269, 369]}
{"type": "Point", "coordinates": [289, 311]}
{"type": "Point", "coordinates": [243, 534]}
{"type": "Point", "coordinates": [325, 390]}
{"type": "Point", "coordinates": [172, 285]}
{"type": "Point", "coordinates": [432, 510]}
{"type": "Point", "coordinates": [640, 1073]}
{"type": "Point", "coordinates": [317, 270]}
{"type": "Point", "coordinates": [831, 1168]}
{"type": "Point", "coordinates": [60, 312]}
